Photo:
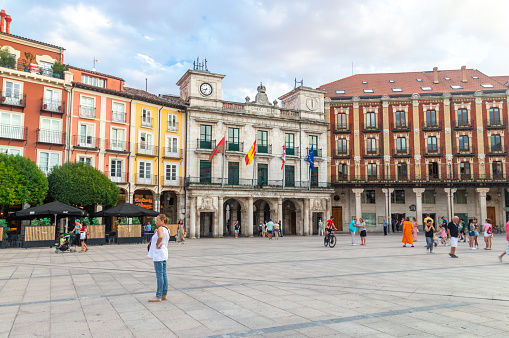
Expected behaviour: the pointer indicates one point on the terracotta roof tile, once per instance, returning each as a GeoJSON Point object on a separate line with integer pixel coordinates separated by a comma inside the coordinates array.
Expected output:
{"type": "Point", "coordinates": [502, 79]}
{"type": "Point", "coordinates": [95, 73]}
{"type": "Point", "coordinates": [27, 39]}
{"type": "Point", "coordinates": [152, 98]}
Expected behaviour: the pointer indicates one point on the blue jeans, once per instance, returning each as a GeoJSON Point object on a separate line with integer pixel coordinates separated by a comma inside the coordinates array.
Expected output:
{"type": "Point", "coordinates": [162, 279]}
{"type": "Point", "coordinates": [429, 243]}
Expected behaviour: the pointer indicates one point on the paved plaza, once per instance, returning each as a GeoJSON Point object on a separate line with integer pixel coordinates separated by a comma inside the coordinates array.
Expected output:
{"type": "Point", "coordinates": [256, 287]}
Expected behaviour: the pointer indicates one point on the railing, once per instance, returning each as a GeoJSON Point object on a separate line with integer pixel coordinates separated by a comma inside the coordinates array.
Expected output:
{"type": "Point", "coordinates": [316, 152]}
{"type": "Point", "coordinates": [173, 126]}
{"type": "Point", "coordinates": [35, 70]}
{"type": "Point", "coordinates": [407, 126]}
{"type": "Point", "coordinates": [117, 177]}
{"type": "Point", "coordinates": [460, 179]}
{"type": "Point", "coordinates": [428, 126]}
{"type": "Point", "coordinates": [371, 128]}
{"type": "Point", "coordinates": [50, 136]}
{"type": "Point", "coordinates": [464, 126]}
{"type": "Point", "coordinates": [116, 145]}
{"type": "Point", "coordinates": [290, 114]}
{"type": "Point", "coordinates": [13, 132]}
{"type": "Point", "coordinates": [433, 152]}
{"type": "Point", "coordinates": [118, 116]}
{"type": "Point", "coordinates": [342, 128]}
{"type": "Point", "coordinates": [9, 98]}
{"type": "Point", "coordinates": [342, 154]}
{"type": "Point", "coordinates": [497, 151]}
{"type": "Point", "coordinates": [146, 122]}
{"type": "Point", "coordinates": [87, 111]}
{"type": "Point", "coordinates": [232, 106]}
{"type": "Point", "coordinates": [45, 169]}
{"type": "Point", "coordinates": [146, 149]}
{"type": "Point", "coordinates": [264, 149]}
{"type": "Point", "coordinates": [53, 106]}
{"type": "Point", "coordinates": [238, 146]}
{"type": "Point", "coordinates": [372, 153]}
{"type": "Point", "coordinates": [254, 183]}
{"type": "Point", "coordinates": [146, 181]}
{"type": "Point", "coordinates": [170, 152]}
{"type": "Point", "coordinates": [295, 151]}
{"type": "Point", "coordinates": [402, 153]}
{"type": "Point", "coordinates": [469, 151]}
{"type": "Point", "coordinates": [494, 125]}
{"type": "Point", "coordinates": [79, 141]}
{"type": "Point", "coordinates": [171, 181]}
{"type": "Point", "coordinates": [205, 144]}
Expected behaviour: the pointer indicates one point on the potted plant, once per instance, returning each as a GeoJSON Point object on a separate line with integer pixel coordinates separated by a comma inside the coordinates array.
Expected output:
{"type": "Point", "coordinates": [29, 59]}
{"type": "Point", "coordinates": [58, 69]}
{"type": "Point", "coordinates": [7, 59]}
{"type": "Point", "coordinates": [4, 229]}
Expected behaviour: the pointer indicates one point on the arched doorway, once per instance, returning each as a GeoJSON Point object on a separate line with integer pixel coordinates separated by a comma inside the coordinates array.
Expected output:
{"type": "Point", "coordinates": [232, 211]}
{"type": "Point", "coordinates": [169, 205]}
{"type": "Point", "coordinates": [289, 217]}
{"type": "Point", "coordinates": [261, 213]}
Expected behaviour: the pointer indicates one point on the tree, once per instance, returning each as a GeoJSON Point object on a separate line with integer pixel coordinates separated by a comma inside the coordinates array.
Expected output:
{"type": "Point", "coordinates": [80, 184]}
{"type": "Point", "coordinates": [21, 181]}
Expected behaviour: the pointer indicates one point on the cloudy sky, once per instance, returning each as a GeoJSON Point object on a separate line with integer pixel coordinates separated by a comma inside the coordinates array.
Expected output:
{"type": "Point", "coordinates": [273, 41]}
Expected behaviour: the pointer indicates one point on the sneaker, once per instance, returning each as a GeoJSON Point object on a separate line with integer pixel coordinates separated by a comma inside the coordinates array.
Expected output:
{"type": "Point", "coordinates": [500, 258]}
{"type": "Point", "coordinates": [354, 244]}
{"type": "Point", "coordinates": [427, 250]}
{"type": "Point", "coordinates": [451, 255]}
{"type": "Point", "coordinates": [454, 256]}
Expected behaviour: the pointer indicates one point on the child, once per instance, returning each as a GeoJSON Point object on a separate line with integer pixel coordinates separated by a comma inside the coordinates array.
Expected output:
{"type": "Point", "coordinates": [62, 241]}
{"type": "Point", "coordinates": [443, 235]}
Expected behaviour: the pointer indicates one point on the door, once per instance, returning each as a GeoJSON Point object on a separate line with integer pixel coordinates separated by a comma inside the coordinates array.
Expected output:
{"type": "Point", "coordinates": [293, 222]}
{"type": "Point", "coordinates": [116, 170]}
{"type": "Point", "coordinates": [263, 174]}
{"type": "Point", "coordinates": [337, 213]}
{"type": "Point", "coordinates": [490, 212]}
{"type": "Point", "coordinates": [86, 136]}
{"type": "Point", "coordinates": [289, 176]}
{"type": "Point", "coordinates": [233, 173]}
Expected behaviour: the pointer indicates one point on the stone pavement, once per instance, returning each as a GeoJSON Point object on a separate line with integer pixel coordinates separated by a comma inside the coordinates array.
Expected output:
{"type": "Point", "coordinates": [256, 287]}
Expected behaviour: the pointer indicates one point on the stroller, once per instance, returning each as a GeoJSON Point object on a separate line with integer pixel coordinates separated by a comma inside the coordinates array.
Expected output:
{"type": "Point", "coordinates": [65, 247]}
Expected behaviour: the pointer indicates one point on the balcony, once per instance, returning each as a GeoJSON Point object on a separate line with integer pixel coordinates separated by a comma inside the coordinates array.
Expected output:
{"type": "Point", "coordinates": [497, 151]}
{"type": "Point", "coordinates": [87, 111]}
{"type": "Point", "coordinates": [13, 132]}
{"type": "Point", "coordinates": [342, 153]}
{"type": "Point", "coordinates": [150, 180]}
{"type": "Point", "coordinates": [146, 122]}
{"type": "Point", "coordinates": [372, 153]}
{"type": "Point", "coordinates": [469, 125]}
{"type": "Point", "coordinates": [433, 152]}
{"type": "Point", "coordinates": [342, 128]}
{"type": "Point", "coordinates": [370, 128]}
{"type": "Point", "coordinates": [116, 145]}
{"type": "Point", "coordinates": [172, 181]}
{"type": "Point", "coordinates": [118, 116]}
{"type": "Point", "coordinates": [173, 127]}
{"type": "Point", "coordinates": [50, 137]}
{"type": "Point", "coordinates": [86, 142]}
{"type": "Point", "coordinates": [206, 144]}
{"type": "Point", "coordinates": [401, 126]}
{"type": "Point", "coordinates": [146, 149]}
{"type": "Point", "coordinates": [115, 176]}
{"type": "Point", "coordinates": [316, 152]}
{"type": "Point", "coordinates": [170, 152]}
{"type": "Point", "coordinates": [254, 183]}
{"type": "Point", "coordinates": [431, 126]}
{"type": "Point", "coordinates": [494, 124]}
{"type": "Point", "coordinates": [465, 151]}
{"type": "Point", "coordinates": [13, 99]}
{"type": "Point", "coordinates": [293, 151]}
{"type": "Point", "coordinates": [33, 69]}
{"type": "Point", "coordinates": [235, 146]}
{"type": "Point", "coordinates": [53, 106]}
{"type": "Point", "coordinates": [401, 153]}
{"type": "Point", "coordinates": [264, 149]}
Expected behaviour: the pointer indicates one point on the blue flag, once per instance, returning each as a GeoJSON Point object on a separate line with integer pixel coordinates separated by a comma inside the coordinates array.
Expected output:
{"type": "Point", "coordinates": [311, 158]}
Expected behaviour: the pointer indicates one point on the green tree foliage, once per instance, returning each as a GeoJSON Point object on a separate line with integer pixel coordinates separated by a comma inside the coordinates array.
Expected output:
{"type": "Point", "coordinates": [6, 59]}
{"type": "Point", "coordinates": [21, 181]}
{"type": "Point", "coordinates": [80, 184]}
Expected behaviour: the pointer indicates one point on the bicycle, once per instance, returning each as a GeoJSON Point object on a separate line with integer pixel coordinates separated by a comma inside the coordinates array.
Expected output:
{"type": "Point", "coordinates": [329, 240]}
{"type": "Point", "coordinates": [496, 229]}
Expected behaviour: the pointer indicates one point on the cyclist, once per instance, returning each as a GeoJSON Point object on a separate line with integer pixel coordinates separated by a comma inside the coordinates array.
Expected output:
{"type": "Point", "coordinates": [329, 227]}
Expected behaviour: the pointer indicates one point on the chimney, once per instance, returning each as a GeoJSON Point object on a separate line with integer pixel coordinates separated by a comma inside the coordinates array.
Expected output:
{"type": "Point", "coordinates": [435, 73]}
{"type": "Point", "coordinates": [8, 19]}
{"type": "Point", "coordinates": [464, 74]}
{"type": "Point", "coordinates": [2, 19]}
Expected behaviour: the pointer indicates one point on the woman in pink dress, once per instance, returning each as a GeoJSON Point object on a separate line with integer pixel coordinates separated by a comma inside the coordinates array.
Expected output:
{"type": "Point", "coordinates": [414, 229]}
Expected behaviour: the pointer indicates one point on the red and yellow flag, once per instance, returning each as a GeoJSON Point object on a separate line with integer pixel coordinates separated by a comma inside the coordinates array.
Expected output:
{"type": "Point", "coordinates": [251, 154]}
{"type": "Point", "coordinates": [219, 149]}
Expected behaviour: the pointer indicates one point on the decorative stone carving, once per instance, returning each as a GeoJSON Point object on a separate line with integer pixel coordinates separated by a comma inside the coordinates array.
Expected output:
{"type": "Point", "coordinates": [417, 130]}
{"type": "Point", "coordinates": [275, 104]}
{"type": "Point", "coordinates": [478, 93]}
{"type": "Point", "coordinates": [261, 96]}
{"type": "Point", "coordinates": [206, 203]}
{"type": "Point", "coordinates": [448, 157]}
{"type": "Point", "coordinates": [481, 156]}
{"type": "Point", "coordinates": [356, 132]}
{"type": "Point", "coordinates": [386, 131]}
{"type": "Point", "coordinates": [385, 98]}
{"type": "Point", "coordinates": [416, 96]}
{"type": "Point", "coordinates": [447, 130]}
{"type": "Point", "coordinates": [248, 99]}
{"type": "Point", "coordinates": [357, 158]}
{"type": "Point", "coordinates": [446, 95]}
{"type": "Point", "coordinates": [480, 129]}
{"type": "Point", "coordinates": [387, 158]}
{"type": "Point", "coordinates": [417, 157]}
{"type": "Point", "coordinates": [318, 204]}
{"type": "Point", "coordinates": [327, 99]}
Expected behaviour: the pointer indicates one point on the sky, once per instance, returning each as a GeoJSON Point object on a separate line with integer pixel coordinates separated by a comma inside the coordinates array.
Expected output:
{"type": "Point", "coordinates": [273, 41]}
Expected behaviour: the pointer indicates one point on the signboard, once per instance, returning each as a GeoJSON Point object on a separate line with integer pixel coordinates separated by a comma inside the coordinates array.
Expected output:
{"type": "Point", "coordinates": [146, 203]}
{"type": "Point", "coordinates": [34, 69]}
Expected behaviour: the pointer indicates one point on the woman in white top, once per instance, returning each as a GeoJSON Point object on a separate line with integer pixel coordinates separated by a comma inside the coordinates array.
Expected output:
{"type": "Point", "coordinates": [158, 251]}
{"type": "Point", "coordinates": [362, 229]}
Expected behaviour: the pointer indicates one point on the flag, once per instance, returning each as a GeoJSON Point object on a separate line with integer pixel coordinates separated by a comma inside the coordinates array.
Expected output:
{"type": "Point", "coordinates": [311, 158]}
{"type": "Point", "coordinates": [219, 149]}
{"type": "Point", "coordinates": [283, 157]}
{"type": "Point", "coordinates": [251, 154]}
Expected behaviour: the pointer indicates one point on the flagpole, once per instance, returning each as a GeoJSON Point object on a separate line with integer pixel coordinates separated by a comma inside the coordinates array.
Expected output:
{"type": "Point", "coordinates": [254, 166]}
{"type": "Point", "coordinates": [222, 170]}
{"type": "Point", "coordinates": [284, 165]}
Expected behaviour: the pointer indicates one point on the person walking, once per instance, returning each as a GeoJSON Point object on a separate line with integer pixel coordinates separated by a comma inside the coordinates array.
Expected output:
{"type": "Point", "coordinates": [471, 235]}
{"type": "Point", "coordinates": [385, 226]}
{"type": "Point", "coordinates": [83, 238]}
{"type": "Point", "coordinates": [76, 234]}
{"type": "Point", "coordinates": [320, 227]}
{"type": "Point", "coordinates": [180, 232]}
{"type": "Point", "coordinates": [158, 251]}
{"type": "Point", "coordinates": [237, 229]}
{"type": "Point", "coordinates": [429, 218]}
{"type": "Point", "coordinates": [507, 239]}
{"type": "Point", "coordinates": [429, 230]}
{"type": "Point", "coordinates": [463, 231]}
{"type": "Point", "coordinates": [353, 229]}
{"type": "Point", "coordinates": [488, 233]}
{"type": "Point", "coordinates": [362, 230]}
{"type": "Point", "coordinates": [477, 227]}
{"type": "Point", "coordinates": [407, 233]}
{"type": "Point", "coordinates": [270, 228]}
{"type": "Point", "coordinates": [415, 229]}
{"type": "Point", "coordinates": [276, 230]}
{"type": "Point", "coordinates": [453, 232]}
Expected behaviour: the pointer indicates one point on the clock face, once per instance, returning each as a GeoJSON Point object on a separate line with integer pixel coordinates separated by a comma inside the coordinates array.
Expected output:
{"type": "Point", "coordinates": [206, 89]}
{"type": "Point", "coordinates": [312, 104]}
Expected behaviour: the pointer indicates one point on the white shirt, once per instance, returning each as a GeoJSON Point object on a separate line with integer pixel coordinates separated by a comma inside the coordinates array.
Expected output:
{"type": "Point", "coordinates": [156, 254]}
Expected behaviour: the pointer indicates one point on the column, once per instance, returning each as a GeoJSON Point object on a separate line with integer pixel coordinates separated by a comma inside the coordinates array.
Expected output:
{"type": "Point", "coordinates": [416, 137]}
{"type": "Point", "coordinates": [388, 210]}
{"type": "Point", "coordinates": [280, 210]}
{"type": "Point", "coordinates": [192, 218]}
{"type": "Point", "coordinates": [356, 119]}
{"type": "Point", "coordinates": [358, 209]}
{"type": "Point", "coordinates": [328, 210]}
{"type": "Point", "coordinates": [450, 202]}
{"type": "Point", "coordinates": [482, 204]}
{"type": "Point", "coordinates": [481, 156]}
{"type": "Point", "coordinates": [181, 206]}
{"type": "Point", "coordinates": [418, 203]}
{"type": "Point", "coordinates": [157, 202]}
{"type": "Point", "coordinates": [219, 225]}
{"type": "Point", "coordinates": [305, 230]}
{"type": "Point", "coordinates": [249, 216]}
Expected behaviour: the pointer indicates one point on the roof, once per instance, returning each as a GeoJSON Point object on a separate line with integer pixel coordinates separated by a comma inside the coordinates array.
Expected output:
{"type": "Point", "coordinates": [410, 83]}
{"type": "Point", "coordinates": [152, 98]}
{"type": "Point", "coordinates": [96, 73]}
{"type": "Point", "coordinates": [504, 79]}
{"type": "Point", "coordinates": [101, 90]}
{"type": "Point", "coordinates": [35, 41]}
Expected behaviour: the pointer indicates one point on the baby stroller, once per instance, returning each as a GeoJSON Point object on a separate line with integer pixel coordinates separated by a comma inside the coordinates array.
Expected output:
{"type": "Point", "coordinates": [65, 246]}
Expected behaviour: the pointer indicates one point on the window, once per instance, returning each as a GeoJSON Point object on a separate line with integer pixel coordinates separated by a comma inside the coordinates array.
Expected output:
{"type": "Point", "coordinates": [145, 145]}
{"type": "Point", "coordinates": [48, 161]}
{"type": "Point", "coordinates": [372, 171]}
{"type": "Point", "coordinates": [497, 170]}
{"type": "Point", "coordinates": [371, 120]}
{"type": "Point", "coordinates": [369, 218]}
{"type": "Point", "coordinates": [401, 145]}
{"type": "Point", "coordinates": [145, 172]}
{"type": "Point", "coordinates": [494, 116]}
{"type": "Point", "coordinates": [428, 197]}
{"type": "Point", "coordinates": [398, 197]}
{"type": "Point", "coordinates": [460, 197]}
{"type": "Point", "coordinates": [340, 91]}
{"type": "Point", "coordinates": [117, 112]}
{"type": "Point", "coordinates": [391, 81]}
{"type": "Point", "coordinates": [368, 197]}
{"type": "Point", "coordinates": [86, 160]}
{"type": "Point", "coordinates": [314, 177]}
{"type": "Point", "coordinates": [496, 143]}
{"type": "Point", "coordinates": [263, 174]}
{"type": "Point", "coordinates": [170, 174]}
{"type": "Point", "coordinates": [368, 90]}
{"type": "Point", "coordinates": [87, 107]}
{"type": "Point", "coordinates": [146, 117]}
{"type": "Point", "coordinates": [400, 119]}
{"type": "Point", "coordinates": [419, 80]}
{"type": "Point", "coordinates": [289, 176]}
{"type": "Point", "coordinates": [486, 85]}
{"type": "Point", "coordinates": [365, 82]}
{"type": "Point", "coordinates": [116, 171]}
{"type": "Point", "coordinates": [462, 117]}
{"type": "Point", "coordinates": [11, 125]}
{"type": "Point", "coordinates": [233, 139]}
{"type": "Point", "coordinates": [313, 143]}
{"type": "Point", "coordinates": [431, 118]}
{"type": "Point", "coordinates": [432, 144]}
{"type": "Point", "coordinates": [172, 122]}
{"type": "Point", "coordinates": [371, 146]}
{"type": "Point", "coordinates": [402, 171]}
{"type": "Point", "coordinates": [290, 144]}
{"type": "Point", "coordinates": [52, 100]}
{"type": "Point", "coordinates": [463, 143]}
{"type": "Point", "coordinates": [117, 139]}
{"type": "Point", "coordinates": [456, 87]}
{"type": "Point", "coordinates": [46, 68]}
{"type": "Point", "coordinates": [205, 137]}
{"type": "Point", "coordinates": [86, 136]}
{"type": "Point", "coordinates": [465, 170]}
{"type": "Point", "coordinates": [93, 81]}
{"type": "Point", "coordinates": [447, 78]}
{"type": "Point", "coordinates": [397, 89]}
{"type": "Point", "coordinates": [342, 171]}
{"type": "Point", "coordinates": [475, 77]}
{"type": "Point", "coordinates": [10, 151]}
{"type": "Point", "coordinates": [262, 142]}
{"type": "Point", "coordinates": [342, 121]}
{"type": "Point", "coordinates": [233, 173]}
{"type": "Point", "coordinates": [50, 131]}
{"type": "Point", "coordinates": [171, 146]}
{"type": "Point", "coordinates": [426, 88]}
{"type": "Point", "coordinates": [12, 93]}
{"type": "Point", "coordinates": [205, 172]}
{"type": "Point", "coordinates": [342, 146]}
{"type": "Point", "coordinates": [433, 170]}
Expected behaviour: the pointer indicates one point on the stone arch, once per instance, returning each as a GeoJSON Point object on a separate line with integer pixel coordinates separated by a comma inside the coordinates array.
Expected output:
{"type": "Point", "coordinates": [233, 209]}
{"type": "Point", "coordinates": [293, 218]}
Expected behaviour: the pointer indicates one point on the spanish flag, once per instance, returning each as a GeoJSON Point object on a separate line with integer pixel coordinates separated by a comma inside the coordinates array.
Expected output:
{"type": "Point", "coordinates": [251, 154]}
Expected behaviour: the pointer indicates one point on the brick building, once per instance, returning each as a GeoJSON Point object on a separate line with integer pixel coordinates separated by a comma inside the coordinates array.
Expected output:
{"type": "Point", "coordinates": [406, 144]}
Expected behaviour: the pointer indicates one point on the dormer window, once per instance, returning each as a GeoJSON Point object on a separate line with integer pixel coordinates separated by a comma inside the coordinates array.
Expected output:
{"type": "Point", "coordinates": [487, 85]}
{"type": "Point", "coordinates": [365, 82]}
{"type": "Point", "coordinates": [456, 87]}
{"type": "Point", "coordinates": [368, 90]}
{"type": "Point", "coordinates": [93, 81]}
{"type": "Point", "coordinates": [475, 77]}
{"type": "Point", "coordinates": [391, 81]}
{"type": "Point", "coordinates": [419, 80]}
{"type": "Point", "coordinates": [340, 91]}
{"type": "Point", "coordinates": [447, 78]}
{"type": "Point", "coordinates": [397, 89]}
{"type": "Point", "coordinates": [426, 88]}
